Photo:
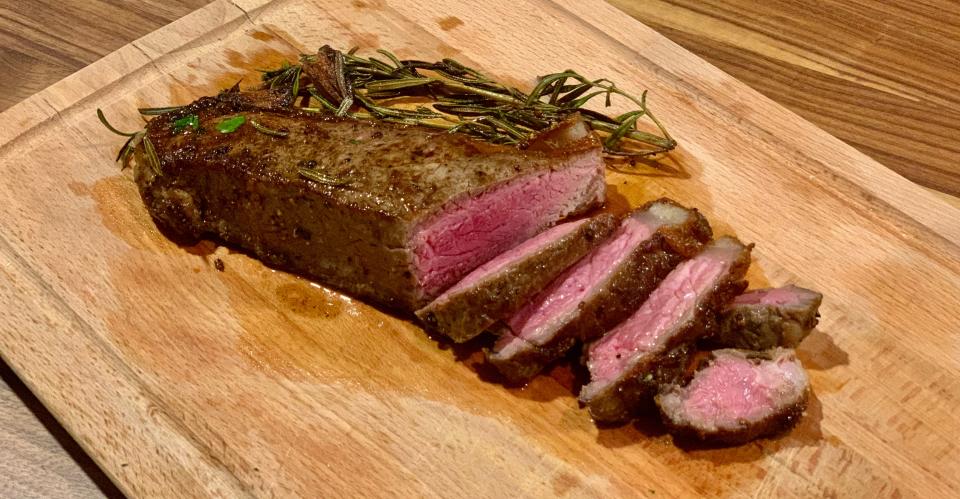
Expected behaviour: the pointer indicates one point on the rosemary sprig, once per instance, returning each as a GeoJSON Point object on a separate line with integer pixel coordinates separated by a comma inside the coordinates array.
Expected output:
{"type": "Point", "coordinates": [133, 140]}
{"type": "Point", "coordinates": [452, 96]}
{"type": "Point", "coordinates": [286, 77]}
{"type": "Point", "coordinates": [463, 100]}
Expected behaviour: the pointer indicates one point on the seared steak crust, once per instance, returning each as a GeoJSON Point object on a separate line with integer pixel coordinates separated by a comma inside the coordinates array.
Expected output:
{"type": "Point", "coordinates": [465, 314]}
{"type": "Point", "coordinates": [774, 424]}
{"type": "Point", "coordinates": [616, 401]}
{"type": "Point", "coordinates": [633, 394]}
{"type": "Point", "coordinates": [380, 183]}
{"type": "Point", "coordinates": [626, 289]}
{"type": "Point", "coordinates": [783, 416]}
{"type": "Point", "coordinates": [760, 326]}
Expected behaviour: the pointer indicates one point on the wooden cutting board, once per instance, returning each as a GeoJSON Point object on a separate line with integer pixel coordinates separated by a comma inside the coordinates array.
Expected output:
{"type": "Point", "coordinates": [181, 380]}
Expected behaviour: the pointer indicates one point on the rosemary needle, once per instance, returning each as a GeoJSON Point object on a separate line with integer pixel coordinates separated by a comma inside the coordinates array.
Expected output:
{"type": "Point", "coordinates": [320, 177]}
{"type": "Point", "coordinates": [134, 139]}
{"type": "Point", "coordinates": [103, 119]}
{"type": "Point", "coordinates": [151, 154]}
{"type": "Point", "coordinates": [269, 131]}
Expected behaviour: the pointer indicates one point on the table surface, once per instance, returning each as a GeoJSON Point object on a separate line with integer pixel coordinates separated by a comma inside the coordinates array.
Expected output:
{"type": "Point", "coordinates": [879, 75]}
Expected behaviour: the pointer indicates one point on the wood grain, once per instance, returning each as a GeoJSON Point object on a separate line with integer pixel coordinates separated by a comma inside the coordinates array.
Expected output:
{"type": "Point", "coordinates": [39, 458]}
{"type": "Point", "coordinates": [181, 380]}
{"type": "Point", "coordinates": [881, 75]}
{"type": "Point", "coordinates": [43, 41]}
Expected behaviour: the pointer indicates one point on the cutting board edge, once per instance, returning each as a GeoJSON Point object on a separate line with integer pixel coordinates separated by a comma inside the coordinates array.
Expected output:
{"type": "Point", "coordinates": [33, 115]}
{"type": "Point", "coordinates": [40, 109]}
{"type": "Point", "coordinates": [32, 109]}
{"type": "Point", "coordinates": [147, 424]}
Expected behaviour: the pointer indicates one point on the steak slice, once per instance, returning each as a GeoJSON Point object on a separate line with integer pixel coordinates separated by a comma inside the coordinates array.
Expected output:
{"type": "Point", "coordinates": [767, 318]}
{"type": "Point", "coordinates": [740, 395]}
{"type": "Point", "coordinates": [393, 213]}
{"type": "Point", "coordinates": [601, 290]}
{"type": "Point", "coordinates": [623, 364]}
{"type": "Point", "coordinates": [501, 286]}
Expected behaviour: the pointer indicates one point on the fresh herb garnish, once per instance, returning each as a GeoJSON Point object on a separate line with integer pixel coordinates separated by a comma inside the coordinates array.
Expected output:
{"type": "Point", "coordinates": [103, 119]}
{"type": "Point", "coordinates": [463, 100]}
{"type": "Point", "coordinates": [134, 139]}
{"type": "Point", "coordinates": [190, 120]}
{"type": "Point", "coordinates": [156, 111]}
{"type": "Point", "coordinates": [152, 159]}
{"type": "Point", "coordinates": [268, 131]}
{"type": "Point", "coordinates": [286, 76]}
{"type": "Point", "coordinates": [230, 125]}
{"type": "Point", "coordinates": [454, 97]}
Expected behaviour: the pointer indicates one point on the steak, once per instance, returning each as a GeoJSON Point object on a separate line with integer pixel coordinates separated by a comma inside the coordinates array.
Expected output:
{"type": "Point", "coordinates": [601, 290]}
{"type": "Point", "coordinates": [501, 286]}
{"type": "Point", "coordinates": [740, 395]}
{"type": "Point", "coordinates": [625, 365]}
{"type": "Point", "coordinates": [767, 318]}
{"type": "Point", "coordinates": [391, 213]}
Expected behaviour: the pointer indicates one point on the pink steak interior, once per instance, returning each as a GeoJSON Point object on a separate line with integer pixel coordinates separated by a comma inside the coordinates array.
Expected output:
{"type": "Point", "coordinates": [647, 329]}
{"type": "Point", "coordinates": [733, 389]}
{"type": "Point", "coordinates": [518, 253]}
{"type": "Point", "coordinates": [567, 291]}
{"type": "Point", "coordinates": [471, 231]}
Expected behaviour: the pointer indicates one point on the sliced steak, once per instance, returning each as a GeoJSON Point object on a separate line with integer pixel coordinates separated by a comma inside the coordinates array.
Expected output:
{"type": "Point", "coordinates": [501, 286]}
{"type": "Point", "coordinates": [767, 318]}
{"type": "Point", "coordinates": [624, 363]}
{"type": "Point", "coordinates": [601, 290]}
{"type": "Point", "coordinates": [740, 395]}
{"type": "Point", "coordinates": [392, 213]}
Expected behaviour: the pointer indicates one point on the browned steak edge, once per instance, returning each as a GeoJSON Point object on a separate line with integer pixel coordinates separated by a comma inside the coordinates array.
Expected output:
{"type": "Point", "coordinates": [778, 422]}
{"type": "Point", "coordinates": [469, 313]}
{"type": "Point", "coordinates": [648, 264]}
{"type": "Point", "coordinates": [178, 200]}
{"type": "Point", "coordinates": [761, 327]}
{"type": "Point", "coordinates": [619, 400]}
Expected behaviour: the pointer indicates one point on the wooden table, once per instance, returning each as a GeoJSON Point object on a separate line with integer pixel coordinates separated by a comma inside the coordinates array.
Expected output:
{"type": "Point", "coordinates": [880, 76]}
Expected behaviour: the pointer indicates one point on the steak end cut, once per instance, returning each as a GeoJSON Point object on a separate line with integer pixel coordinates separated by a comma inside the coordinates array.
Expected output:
{"type": "Point", "coordinates": [391, 213]}
{"type": "Point", "coordinates": [623, 364]}
{"type": "Point", "coordinates": [740, 395]}
{"type": "Point", "coordinates": [501, 286]}
{"type": "Point", "coordinates": [768, 318]}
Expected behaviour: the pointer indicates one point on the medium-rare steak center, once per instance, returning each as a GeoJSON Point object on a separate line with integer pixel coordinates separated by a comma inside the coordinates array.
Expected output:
{"type": "Point", "coordinates": [601, 290]}
{"type": "Point", "coordinates": [629, 361]}
{"type": "Point", "coordinates": [740, 395]}
{"type": "Point", "coordinates": [501, 286]}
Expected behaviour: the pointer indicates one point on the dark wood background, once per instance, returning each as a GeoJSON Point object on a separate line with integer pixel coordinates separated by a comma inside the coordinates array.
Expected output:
{"type": "Point", "coordinates": [881, 75]}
